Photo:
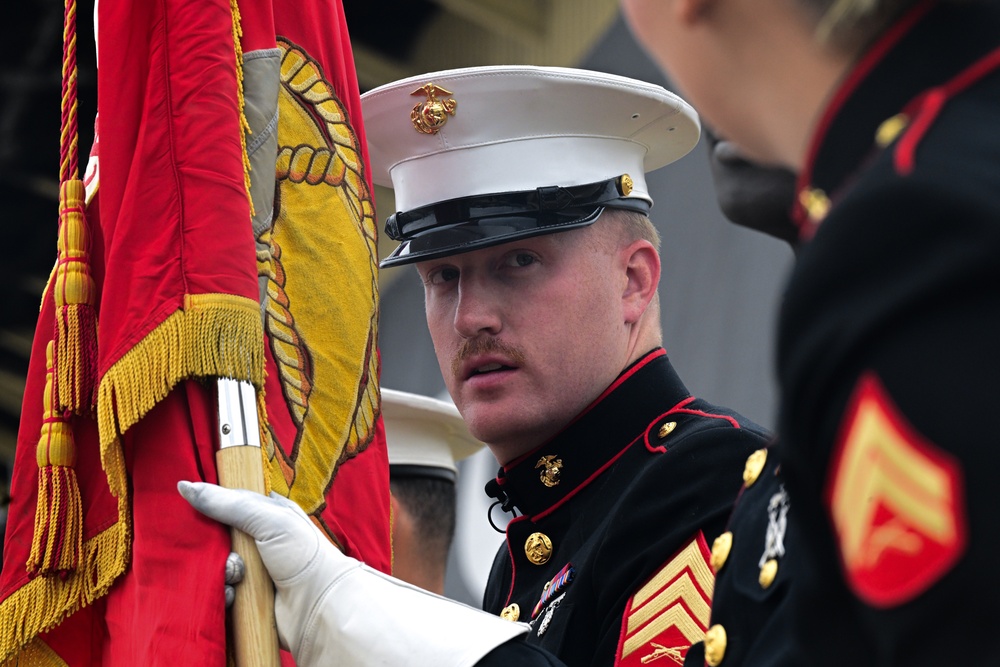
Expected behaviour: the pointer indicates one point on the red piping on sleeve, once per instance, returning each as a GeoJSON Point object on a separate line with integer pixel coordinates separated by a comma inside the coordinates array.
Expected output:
{"type": "Point", "coordinates": [844, 92]}
{"type": "Point", "coordinates": [680, 409]}
{"type": "Point", "coordinates": [924, 110]}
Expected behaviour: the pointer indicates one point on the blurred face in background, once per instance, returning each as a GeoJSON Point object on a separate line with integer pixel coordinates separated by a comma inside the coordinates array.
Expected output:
{"type": "Point", "coordinates": [758, 71]}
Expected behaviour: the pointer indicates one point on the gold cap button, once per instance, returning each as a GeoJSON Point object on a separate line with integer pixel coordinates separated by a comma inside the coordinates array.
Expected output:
{"type": "Point", "coordinates": [715, 645]}
{"type": "Point", "coordinates": [538, 548]}
{"type": "Point", "coordinates": [511, 613]}
{"type": "Point", "coordinates": [720, 550]}
{"type": "Point", "coordinates": [625, 185]}
{"type": "Point", "coordinates": [667, 429]}
{"type": "Point", "coordinates": [754, 466]}
{"type": "Point", "coordinates": [768, 572]}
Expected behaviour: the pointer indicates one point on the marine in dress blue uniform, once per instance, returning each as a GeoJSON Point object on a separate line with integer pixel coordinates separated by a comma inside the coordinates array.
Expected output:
{"type": "Point", "coordinates": [887, 362]}
{"type": "Point", "coordinates": [624, 504]}
{"type": "Point", "coordinates": [608, 558]}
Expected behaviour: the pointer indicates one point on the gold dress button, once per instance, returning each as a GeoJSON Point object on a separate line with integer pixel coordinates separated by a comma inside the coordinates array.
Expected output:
{"type": "Point", "coordinates": [890, 129]}
{"type": "Point", "coordinates": [667, 429]}
{"type": "Point", "coordinates": [754, 466]}
{"type": "Point", "coordinates": [538, 548]}
{"type": "Point", "coordinates": [720, 550]}
{"type": "Point", "coordinates": [815, 202]}
{"type": "Point", "coordinates": [511, 613]}
{"type": "Point", "coordinates": [768, 572]}
{"type": "Point", "coordinates": [715, 645]}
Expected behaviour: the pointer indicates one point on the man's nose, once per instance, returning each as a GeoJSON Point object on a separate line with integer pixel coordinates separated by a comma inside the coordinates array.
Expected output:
{"type": "Point", "coordinates": [478, 310]}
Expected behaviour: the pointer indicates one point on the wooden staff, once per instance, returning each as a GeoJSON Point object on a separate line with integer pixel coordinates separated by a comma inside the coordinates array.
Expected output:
{"type": "Point", "coordinates": [240, 465]}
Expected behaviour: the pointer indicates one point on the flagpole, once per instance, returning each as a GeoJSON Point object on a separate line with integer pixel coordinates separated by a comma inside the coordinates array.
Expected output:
{"type": "Point", "coordinates": [240, 466]}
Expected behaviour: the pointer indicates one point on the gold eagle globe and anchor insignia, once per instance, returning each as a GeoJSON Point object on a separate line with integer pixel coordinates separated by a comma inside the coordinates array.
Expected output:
{"type": "Point", "coordinates": [429, 116]}
{"type": "Point", "coordinates": [551, 475]}
{"type": "Point", "coordinates": [331, 398]}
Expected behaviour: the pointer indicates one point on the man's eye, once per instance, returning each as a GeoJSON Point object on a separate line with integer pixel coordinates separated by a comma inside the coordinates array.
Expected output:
{"type": "Point", "coordinates": [520, 259]}
{"type": "Point", "coordinates": [442, 276]}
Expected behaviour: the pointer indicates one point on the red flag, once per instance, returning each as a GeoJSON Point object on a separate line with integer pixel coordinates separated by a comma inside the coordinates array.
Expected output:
{"type": "Point", "coordinates": [232, 234]}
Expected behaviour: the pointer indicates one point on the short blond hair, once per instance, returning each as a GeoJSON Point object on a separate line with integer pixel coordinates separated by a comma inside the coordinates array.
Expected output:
{"type": "Point", "coordinates": [850, 25]}
{"type": "Point", "coordinates": [620, 226]}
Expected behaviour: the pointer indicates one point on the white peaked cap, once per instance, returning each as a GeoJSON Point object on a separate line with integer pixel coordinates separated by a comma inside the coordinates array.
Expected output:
{"type": "Point", "coordinates": [516, 128]}
{"type": "Point", "coordinates": [425, 433]}
{"type": "Point", "coordinates": [461, 133]}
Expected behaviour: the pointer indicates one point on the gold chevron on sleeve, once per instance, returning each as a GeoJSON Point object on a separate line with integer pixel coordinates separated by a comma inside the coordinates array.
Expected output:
{"type": "Point", "coordinates": [884, 468]}
{"type": "Point", "coordinates": [683, 589]}
{"type": "Point", "coordinates": [675, 616]}
{"type": "Point", "coordinates": [674, 604]}
{"type": "Point", "coordinates": [689, 557]}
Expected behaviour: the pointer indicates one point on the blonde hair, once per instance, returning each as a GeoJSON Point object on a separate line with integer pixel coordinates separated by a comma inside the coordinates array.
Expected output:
{"type": "Point", "coordinates": [849, 25]}
{"type": "Point", "coordinates": [623, 226]}
{"type": "Point", "coordinates": [619, 227]}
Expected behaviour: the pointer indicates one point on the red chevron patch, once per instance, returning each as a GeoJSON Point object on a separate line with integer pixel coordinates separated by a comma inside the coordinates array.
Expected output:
{"type": "Point", "coordinates": [670, 611]}
{"type": "Point", "coordinates": [896, 501]}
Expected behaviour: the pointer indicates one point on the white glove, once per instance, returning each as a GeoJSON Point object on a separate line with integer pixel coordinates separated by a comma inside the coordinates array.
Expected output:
{"type": "Point", "coordinates": [333, 611]}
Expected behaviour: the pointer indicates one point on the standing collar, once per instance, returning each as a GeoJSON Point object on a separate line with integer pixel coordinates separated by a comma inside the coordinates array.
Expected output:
{"type": "Point", "coordinates": [928, 45]}
{"type": "Point", "coordinates": [596, 438]}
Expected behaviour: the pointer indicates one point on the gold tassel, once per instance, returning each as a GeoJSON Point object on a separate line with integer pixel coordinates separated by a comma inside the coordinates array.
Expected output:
{"type": "Point", "coordinates": [58, 538]}
{"type": "Point", "coordinates": [76, 319]}
{"type": "Point", "coordinates": [244, 123]}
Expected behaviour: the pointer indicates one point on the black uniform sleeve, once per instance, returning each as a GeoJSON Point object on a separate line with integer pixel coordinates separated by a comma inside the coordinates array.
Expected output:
{"type": "Point", "coordinates": [517, 653]}
{"type": "Point", "coordinates": [894, 315]}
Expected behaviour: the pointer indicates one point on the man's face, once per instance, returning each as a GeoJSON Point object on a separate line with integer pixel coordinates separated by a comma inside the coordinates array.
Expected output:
{"type": "Point", "coordinates": [528, 333]}
{"type": "Point", "coordinates": [697, 63]}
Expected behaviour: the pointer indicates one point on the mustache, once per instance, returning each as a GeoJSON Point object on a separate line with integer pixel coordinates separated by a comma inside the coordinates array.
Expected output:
{"type": "Point", "coordinates": [478, 346]}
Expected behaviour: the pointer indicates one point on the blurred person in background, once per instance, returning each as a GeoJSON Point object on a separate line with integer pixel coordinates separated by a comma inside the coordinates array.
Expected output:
{"type": "Point", "coordinates": [887, 111]}
{"type": "Point", "coordinates": [426, 438]}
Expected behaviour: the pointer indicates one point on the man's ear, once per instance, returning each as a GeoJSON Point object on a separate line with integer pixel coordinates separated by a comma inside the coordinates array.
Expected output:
{"type": "Point", "coordinates": [642, 271]}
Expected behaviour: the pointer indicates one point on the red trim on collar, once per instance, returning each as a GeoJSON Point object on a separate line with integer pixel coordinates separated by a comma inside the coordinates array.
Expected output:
{"type": "Point", "coordinates": [655, 354]}
{"type": "Point", "coordinates": [924, 109]}
{"type": "Point", "coordinates": [868, 61]}
{"type": "Point", "coordinates": [680, 409]}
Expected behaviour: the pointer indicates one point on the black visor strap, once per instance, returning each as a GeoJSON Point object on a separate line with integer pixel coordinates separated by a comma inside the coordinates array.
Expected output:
{"type": "Point", "coordinates": [405, 225]}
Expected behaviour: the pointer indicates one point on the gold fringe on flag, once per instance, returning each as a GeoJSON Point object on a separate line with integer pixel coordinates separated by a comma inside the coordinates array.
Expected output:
{"type": "Point", "coordinates": [44, 602]}
{"type": "Point", "coordinates": [57, 541]}
{"type": "Point", "coordinates": [37, 654]}
{"type": "Point", "coordinates": [213, 335]}
{"type": "Point", "coordinates": [75, 292]}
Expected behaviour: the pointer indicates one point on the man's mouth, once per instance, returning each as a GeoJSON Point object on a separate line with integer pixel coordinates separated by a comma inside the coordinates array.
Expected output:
{"type": "Point", "coordinates": [479, 356]}
{"type": "Point", "coordinates": [489, 368]}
